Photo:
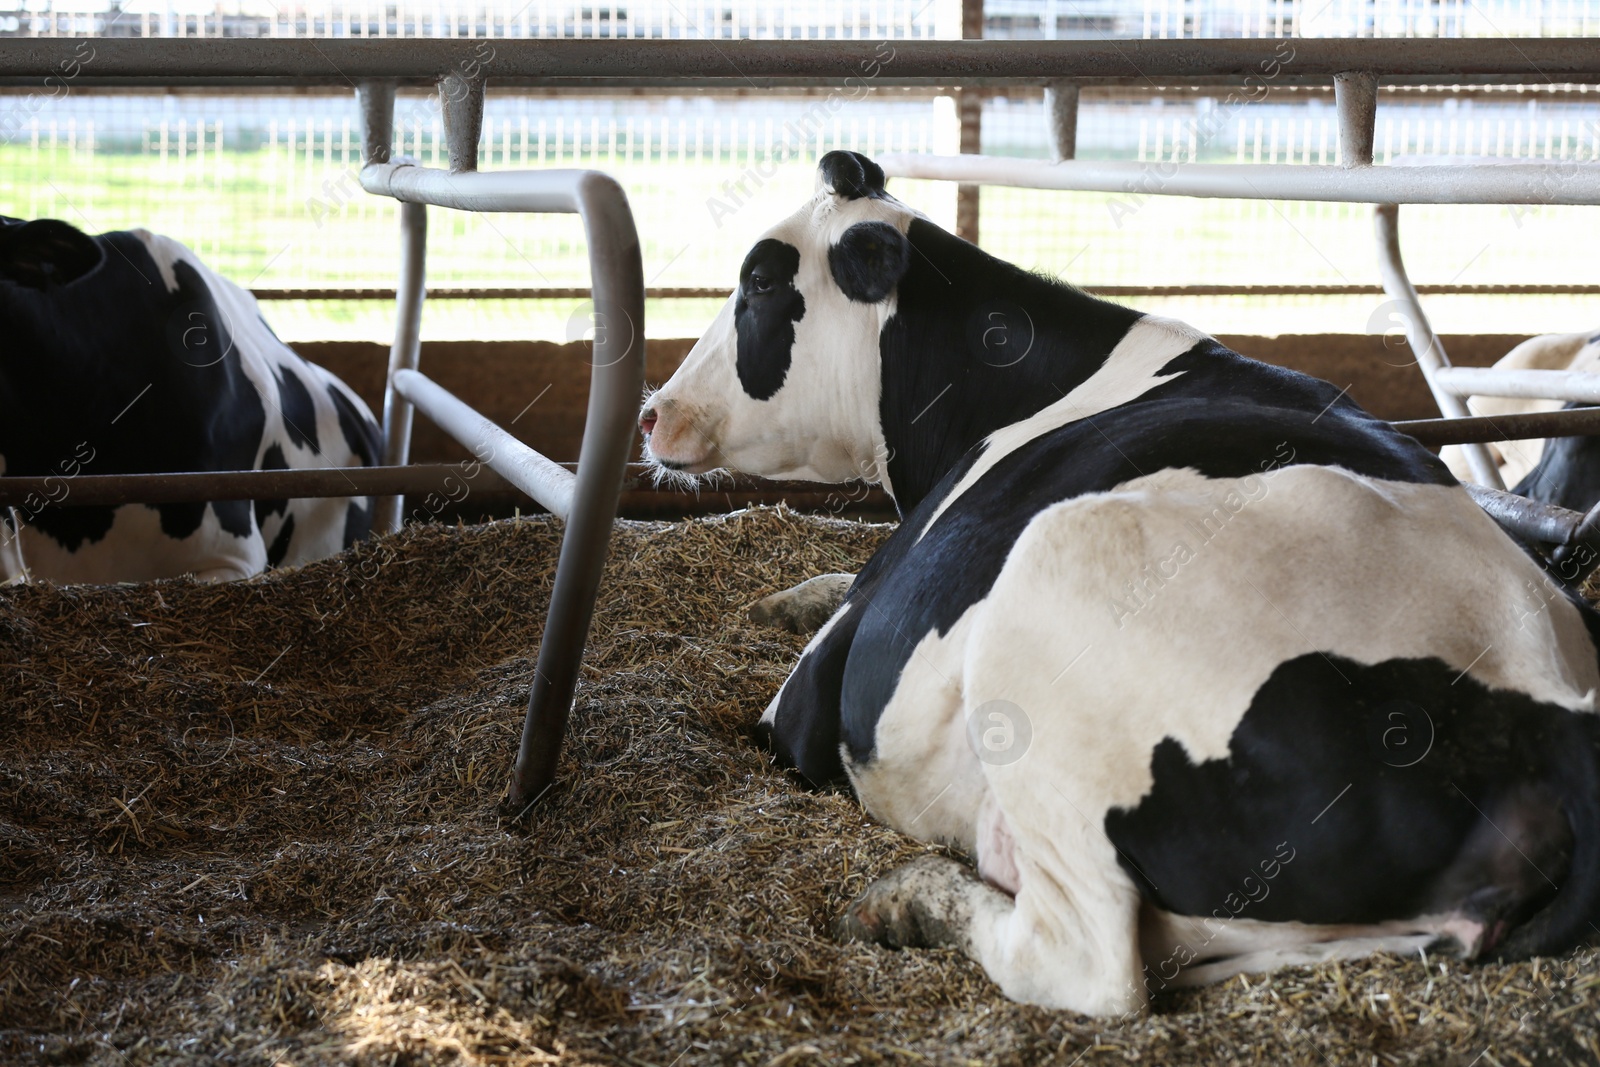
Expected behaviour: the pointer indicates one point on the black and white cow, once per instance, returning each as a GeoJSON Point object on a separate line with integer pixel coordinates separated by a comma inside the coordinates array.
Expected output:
{"type": "Point", "coordinates": [124, 354]}
{"type": "Point", "coordinates": [1208, 669]}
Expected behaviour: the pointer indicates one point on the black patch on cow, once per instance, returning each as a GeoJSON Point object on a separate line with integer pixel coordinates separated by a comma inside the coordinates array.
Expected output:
{"type": "Point", "coordinates": [181, 520]}
{"type": "Point", "coordinates": [234, 516]}
{"type": "Point", "coordinates": [360, 432]}
{"type": "Point", "coordinates": [1395, 763]}
{"type": "Point", "coordinates": [46, 253]}
{"type": "Point", "coordinates": [280, 544]}
{"type": "Point", "coordinates": [851, 175]}
{"type": "Point", "coordinates": [869, 260]}
{"type": "Point", "coordinates": [299, 412]}
{"type": "Point", "coordinates": [101, 370]}
{"type": "Point", "coordinates": [940, 395]}
{"type": "Point", "coordinates": [805, 735]}
{"type": "Point", "coordinates": [357, 521]}
{"type": "Point", "coordinates": [271, 460]}
{"type": "Point", "coordinates": [764, 314]}
{"type": "Point", "coordinates": [1567, 474]}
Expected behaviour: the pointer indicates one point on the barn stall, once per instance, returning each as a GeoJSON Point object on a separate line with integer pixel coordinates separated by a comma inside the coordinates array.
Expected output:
{"type": "Point", "coordinates": [266, 821]}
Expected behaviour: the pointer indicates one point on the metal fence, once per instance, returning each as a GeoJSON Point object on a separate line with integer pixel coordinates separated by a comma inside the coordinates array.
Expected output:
{"type": "Point", "coordinates": [263, 184]}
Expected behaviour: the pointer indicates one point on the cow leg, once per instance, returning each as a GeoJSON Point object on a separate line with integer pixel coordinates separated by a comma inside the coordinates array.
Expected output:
{"type": "Point", "coordinates": [1046, 946]}
{"type": "Point", "coordinates": [804, 608]}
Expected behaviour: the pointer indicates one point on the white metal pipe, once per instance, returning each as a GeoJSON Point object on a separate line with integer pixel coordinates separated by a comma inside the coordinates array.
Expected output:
{"type": "Point", "coordinates": [404, 353]}
{"type": "Point", "coordinates": [546, 481]}
{"type": "Point", "coordinates": [1425, 345]}
{"type": "Point", "coordinates": [1513, 183]}
{"type": "Point", "coordinates": [1569, 386]}
{"type": "Point", "coordinates": [1355, 95]}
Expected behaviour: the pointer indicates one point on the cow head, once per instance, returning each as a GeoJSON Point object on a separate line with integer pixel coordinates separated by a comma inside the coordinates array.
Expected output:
{"type": "Point", "coordinates": [45, 253]}
{"type": "Point", "coordinates": [786, 381]}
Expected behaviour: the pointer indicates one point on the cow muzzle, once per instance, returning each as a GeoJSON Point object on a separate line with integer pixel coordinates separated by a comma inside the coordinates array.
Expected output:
{"type": "Point", "coordinates": [674, 439]}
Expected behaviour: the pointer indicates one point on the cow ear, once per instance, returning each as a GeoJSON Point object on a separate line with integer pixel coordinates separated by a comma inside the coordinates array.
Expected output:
{"type": "Point", "coordinates": [46, 253]}
{"type": "Point", "coordinates": [869, 261]}
{"type": "Point", "coordinates": [850, 175]}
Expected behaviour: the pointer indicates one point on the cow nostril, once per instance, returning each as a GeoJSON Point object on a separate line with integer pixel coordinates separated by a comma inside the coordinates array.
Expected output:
{"type": "Point", "coordinates": [647, 421]}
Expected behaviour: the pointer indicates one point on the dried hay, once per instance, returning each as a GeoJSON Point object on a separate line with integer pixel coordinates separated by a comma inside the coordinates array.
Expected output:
{"type": "Point", "coordinates": [258, 823]}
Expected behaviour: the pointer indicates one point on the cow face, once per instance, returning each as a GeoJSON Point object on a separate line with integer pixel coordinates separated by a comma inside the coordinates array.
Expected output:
{"type": "Point", "coordinates": [785, 383]}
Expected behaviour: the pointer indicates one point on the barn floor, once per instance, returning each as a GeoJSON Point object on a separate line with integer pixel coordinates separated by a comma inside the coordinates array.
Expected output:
{"type": "Point", "coordinates": [258, 824]}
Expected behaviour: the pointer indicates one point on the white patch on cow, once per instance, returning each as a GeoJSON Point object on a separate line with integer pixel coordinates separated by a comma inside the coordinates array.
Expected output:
{"type": "Point", "coordinates": [1306, 559]}
{"type": "Point", "coordinates": [823, 424]}
{"type": "Point", "coordinates": [1131, 371]}
{"type": "Point", "coordinates": [136, 549]}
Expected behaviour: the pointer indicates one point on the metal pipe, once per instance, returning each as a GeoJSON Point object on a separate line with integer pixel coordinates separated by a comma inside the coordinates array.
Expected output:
{"type": "Point", "coordinates": [186, 487]}
{"type": "Point", "coordinates": [461, 107]}
{"type": "Point", "coordinates": [554, 292]}
{"type": "Point", "coordinates": [1570, 386]}
{"type": "Point", "coordinates": [95, 490]}
{"type": "Point", "coordinates": [530, 471]}
{"type": "Point", "coordinates": [1510, 183]}
{"type": "Point", "coordinates": [1489, 429]}
{"type": "Point", "coordinates": [404, 355]}
{"type": "Point", "coordinates": [375, 98]}
{"type": "Point", "coordinates": [1534, 521]}
{"type": "Point", "coordinates": [1061, 103]}
{"type": "Point", "coordinates": [616, 381]}
{"type": "Point", "coordinates": [684, 62]}
{"type": "Point", "coordinates": [1355, 95]}
{"type": "Point", "coordinates": [1425, 345]}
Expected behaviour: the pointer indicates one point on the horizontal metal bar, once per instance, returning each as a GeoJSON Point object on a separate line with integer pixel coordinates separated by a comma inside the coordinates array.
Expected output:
{"type": "Point", "coordinates": [712, 292]}
{"type": "Point", "coordinates": [1487, 429]}
{"type": "Point", "coordinates": [1564, 385]}
{"type": "Point", "coordinates": [535, 474]}
{"type": "Point", "coordinates": [495, 293]}
{"type": "Point", "coordinates": [818, 61]}
{"type": "Point", "coordinates": [420, 479]}
{"type": "Point", "coordinates": [1512, 183]}
{"type": "Point", "coordinates": [195, 486]}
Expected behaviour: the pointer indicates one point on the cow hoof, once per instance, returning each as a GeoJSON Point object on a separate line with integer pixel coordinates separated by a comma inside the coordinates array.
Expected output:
{"type": "Point", "coordinates": [803, 609]}
{"type": "Point", "coordinates": [910, 907]}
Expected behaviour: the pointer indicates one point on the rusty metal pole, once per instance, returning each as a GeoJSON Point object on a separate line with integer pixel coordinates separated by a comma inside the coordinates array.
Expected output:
{"type": "Point", "coordinates": [969, 109]}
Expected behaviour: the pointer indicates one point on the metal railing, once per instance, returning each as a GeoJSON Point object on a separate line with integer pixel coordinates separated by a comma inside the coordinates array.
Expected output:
{"type": "Point", "coordinates": [588, 499]}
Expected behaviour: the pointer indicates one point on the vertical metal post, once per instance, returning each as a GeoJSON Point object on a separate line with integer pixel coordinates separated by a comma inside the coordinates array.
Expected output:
{"type": "Point", "coordinates": [1061, 105]}
{"type": "Point", "coordinates": [461, 103]}
{"type": "Point", "coordinates": [1355, 95]}
{"type": "Point", "coordinates": [376, 100]}
{"type": "Point", "coordinates": [617, 267]}
{"type": "Point", "coordinates": [403, 355]}
{"type": "Point", "coordinates": [969, 106]}
{"type": "Point", "coordinates": [1424, 342]}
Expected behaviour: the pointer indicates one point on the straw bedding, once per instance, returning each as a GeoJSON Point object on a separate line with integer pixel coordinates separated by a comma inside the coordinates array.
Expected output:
{"type": "Point", "coordinates": [260, 824]}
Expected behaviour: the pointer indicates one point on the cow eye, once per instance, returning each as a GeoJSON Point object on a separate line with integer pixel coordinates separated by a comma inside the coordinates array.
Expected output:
{"type": "Point", "coordinates": [759, 283]}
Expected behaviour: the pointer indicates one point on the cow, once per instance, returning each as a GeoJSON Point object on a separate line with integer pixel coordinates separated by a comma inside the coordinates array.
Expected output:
{"type": "Point", "coordinates": [1205, 668]}
{"type": "Point", "coordinates": [125, 354]}
{"type": "Point", "coordinates": [1564, 471]}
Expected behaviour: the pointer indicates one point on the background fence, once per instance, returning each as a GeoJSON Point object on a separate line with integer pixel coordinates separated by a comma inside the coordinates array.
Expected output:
{"type": "Point", "coordinates": [263, 185]}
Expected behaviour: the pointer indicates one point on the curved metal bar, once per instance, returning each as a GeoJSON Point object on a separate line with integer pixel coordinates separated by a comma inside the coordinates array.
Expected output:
{"type": "Point", "coordinates": [1424, 342]}
{"type": "Point", "coordinates": [616, 381]}
{"type": "Point", "coordinates": [404, 354]}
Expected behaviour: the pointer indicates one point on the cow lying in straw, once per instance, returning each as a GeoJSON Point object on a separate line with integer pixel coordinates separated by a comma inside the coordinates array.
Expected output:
{"type": "Point", "coordinates": [1209, 670]}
